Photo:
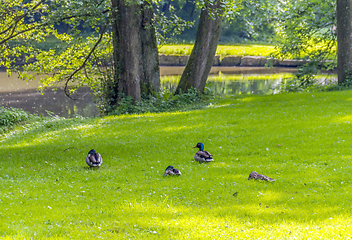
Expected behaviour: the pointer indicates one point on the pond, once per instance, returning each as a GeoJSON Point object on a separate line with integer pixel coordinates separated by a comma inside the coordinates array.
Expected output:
{"type": "Point", "coordinates": [224, 80]}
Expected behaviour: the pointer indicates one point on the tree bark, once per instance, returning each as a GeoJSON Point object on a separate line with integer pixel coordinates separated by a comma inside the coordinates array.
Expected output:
{"type": "Point", "coordinates": [112, 85]}
{"type": "Point", "coordinates": [344, 39]}
{"type": "Point", "coordinates": [151, 81]}
{"type": "Point", "coordinates": [201, 59]}
{"type": "Point", "coordinates": [135, 51]}
{"type": "Point", "coordinates": [129, 59]}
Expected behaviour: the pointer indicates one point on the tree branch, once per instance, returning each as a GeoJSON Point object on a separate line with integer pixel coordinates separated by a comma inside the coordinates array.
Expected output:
{"type": "Point", "coordinates": [85, 61]}
{"type": "Point", "coordinates": [19, 18]}
{"type": "Point", "coordinates": [43, 25]}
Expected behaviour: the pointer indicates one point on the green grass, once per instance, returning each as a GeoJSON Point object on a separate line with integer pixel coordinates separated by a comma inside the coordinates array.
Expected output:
{"type": "Point", "coordinates": [220, 77]}
{"type": "Point", "coordinates": [302, 140]}
{"type": "Point", "coordinates": [222, 50]}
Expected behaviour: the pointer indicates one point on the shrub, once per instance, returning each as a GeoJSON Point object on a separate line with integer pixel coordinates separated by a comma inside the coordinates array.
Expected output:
{"type": "Point", "coordinates": [11, 116]}
{"type": "Point", "coordinates": [162, 102]}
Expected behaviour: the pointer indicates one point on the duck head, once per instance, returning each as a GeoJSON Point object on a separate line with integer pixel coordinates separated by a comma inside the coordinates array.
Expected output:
{"type": "Point", "coordinates": [200, 146]}
{"type": "Point", "coordinates": [92, 151]}
{"type": "Point", "coordinates": [169, 168]}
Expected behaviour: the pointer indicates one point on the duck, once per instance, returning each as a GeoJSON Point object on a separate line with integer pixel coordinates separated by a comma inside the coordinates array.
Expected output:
{"type": "Point", "coordinates": [202, 156]}
{"type": "Point", "coordinates": [255, 175]}
{"type": "Point", "coordinates": [94, 159]}
{"type": "Point", "coordinates": [170, 170]}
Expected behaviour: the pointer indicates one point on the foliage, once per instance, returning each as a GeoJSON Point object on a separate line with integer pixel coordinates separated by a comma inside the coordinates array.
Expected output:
{"type": "Point", "coordinates": [28, 23]}
{"type": "Point", "coordinates": [227, 8]}
{"type": "Point", "coordinates": [253, 21]}
{"type": "Point", "coordinates": [301, 140]}
{"type": "Point", "coordinates": [11, 116]}
{"type": "Point", "coordinates": [316, 84]}
{"type": "Point", "coordinates": [348, 80]}
{"type": "Point", "coordinates": [162, 101]}
{"type": "Point", "coordinates": [307, 30]}
{"type": "Point", "coordinates": [304, 78]}
{"type": "Point", "coordinates": [222, 50]}
{"type": "Point", "coordinates": [170, 25]}
{"type": "Point", "coordinates": [20, 20]}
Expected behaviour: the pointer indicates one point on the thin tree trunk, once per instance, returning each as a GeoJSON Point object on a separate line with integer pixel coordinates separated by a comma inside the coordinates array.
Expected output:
{"type": "Point", "coordinates": [112, 85]}
{"type": "Point", "coordinates": [201, 59]}
{"type": "Point", "coordinates": [344, 39]}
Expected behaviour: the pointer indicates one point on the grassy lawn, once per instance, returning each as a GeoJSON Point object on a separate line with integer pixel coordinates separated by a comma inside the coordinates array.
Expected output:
{"type": "Point", "coordinates": [302, 140]}
{"type": "Point", "coordinates": [222, 50]}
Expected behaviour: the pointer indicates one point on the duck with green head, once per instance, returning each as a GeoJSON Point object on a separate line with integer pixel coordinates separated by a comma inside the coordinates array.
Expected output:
{"type": "Point", "coordinates": [94, 159]}
{"type": "Point", "coordinates": [170, 170]}
{"type": "Point", "coordinates": [202, 156]}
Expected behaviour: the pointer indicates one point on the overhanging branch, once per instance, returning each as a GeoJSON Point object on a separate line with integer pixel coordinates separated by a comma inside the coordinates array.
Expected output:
{"type": "Point", "coordinates": [85, 61]}
{"type": "Point", "coordinates": [19, 18]}
{"type": "Point", "coordinates": [44, 25]}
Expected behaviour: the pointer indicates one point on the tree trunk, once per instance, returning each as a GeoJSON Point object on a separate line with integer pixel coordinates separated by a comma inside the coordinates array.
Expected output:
{"type": "Point", "coordinates": [344, 39]}
{"type": "Point", "coordinates": [151, 81]}
{"type": "Point", "coordinates": [135, 51]}
{"type": "Point", "coordinates": [129, 59]}
{"type": "Point", "coordinates": [201, 59]}
{"type": "Point", "coordinates": [111, 87]}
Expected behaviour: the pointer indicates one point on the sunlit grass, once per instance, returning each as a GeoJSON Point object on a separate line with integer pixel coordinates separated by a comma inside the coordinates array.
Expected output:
{"type": "Point", "coordinates": [302, 140]}
{"type": "Point", "coordinates": [249, 77]}
{"type": "Point", "coordinates": [222, 50]}
{"type": "Point", "coordinates": [232, 77]}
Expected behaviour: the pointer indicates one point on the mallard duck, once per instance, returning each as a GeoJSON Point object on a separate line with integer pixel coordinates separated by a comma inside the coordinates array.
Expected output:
{"type": "Point", "coordinates": [255, 175]}
{"type": "Point", "coordinates": [202, 156]}
{"type": "Point", "coordinates": [170, 170]}
{"type": "Point", "coordinates": [94, 159]}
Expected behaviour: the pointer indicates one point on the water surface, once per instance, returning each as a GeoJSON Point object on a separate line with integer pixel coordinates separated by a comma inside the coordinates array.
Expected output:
{"type": "Point", "coordinates": [225, 80]}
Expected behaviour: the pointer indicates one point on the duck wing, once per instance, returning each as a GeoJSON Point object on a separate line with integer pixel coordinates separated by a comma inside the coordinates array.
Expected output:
{"type": "Point", "coordinates": [91, 158]}
{"type": "Point", "coordinates": [98, 158]}
{"type": "Point", "coordinates": [210, 156]}
{"type": "Point", "coordinates": [204, 154]}
{"type": "Point", "coordinates": [255, 175]}
{"type": "Point", "coordinates": [168, 172]}
{"type": "Point", "coordinates": [94, 159]}
{"type": "Point", "coordinates": [176, 171]}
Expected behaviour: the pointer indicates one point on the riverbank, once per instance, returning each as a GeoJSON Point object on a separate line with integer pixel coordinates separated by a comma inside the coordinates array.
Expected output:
{"type": "Point", "coordinates": [301, 140]}
{"type": "Point", "coordinates": [227, 61]}
{"type": "Point", "coordinates": [17, 93]}
{"type": "Point", "coordinates": [232, 61]}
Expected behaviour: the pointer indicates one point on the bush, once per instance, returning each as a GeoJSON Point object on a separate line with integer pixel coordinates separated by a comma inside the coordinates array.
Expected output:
{"type": "Point", "coordinates": [162, 102]}
{"type": "Point", "coordinates": [11, 116]}
{"type": "Point", "coordinates": [294, 85]}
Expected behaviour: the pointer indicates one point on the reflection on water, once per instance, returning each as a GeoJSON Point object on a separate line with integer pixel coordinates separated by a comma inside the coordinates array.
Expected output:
{"type": "Point", "coordinates": [17, 93]}
{"type": "Point", "coordinates": [234, 83]}
{"type": "Point", "coordinates": [168, 71]}
{"type": "Point", "coordinates": [233, 87]}
{"type": "Point", "coordinates": [244, 87]}
{"type": "Point", "coordinates": [223, 80]}
{"type": "Point", "coordinates": [54, 101]}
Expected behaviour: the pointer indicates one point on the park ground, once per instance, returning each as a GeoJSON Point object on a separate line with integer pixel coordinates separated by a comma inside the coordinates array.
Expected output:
{"type": "Point", "coordinates": [302, 140]}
